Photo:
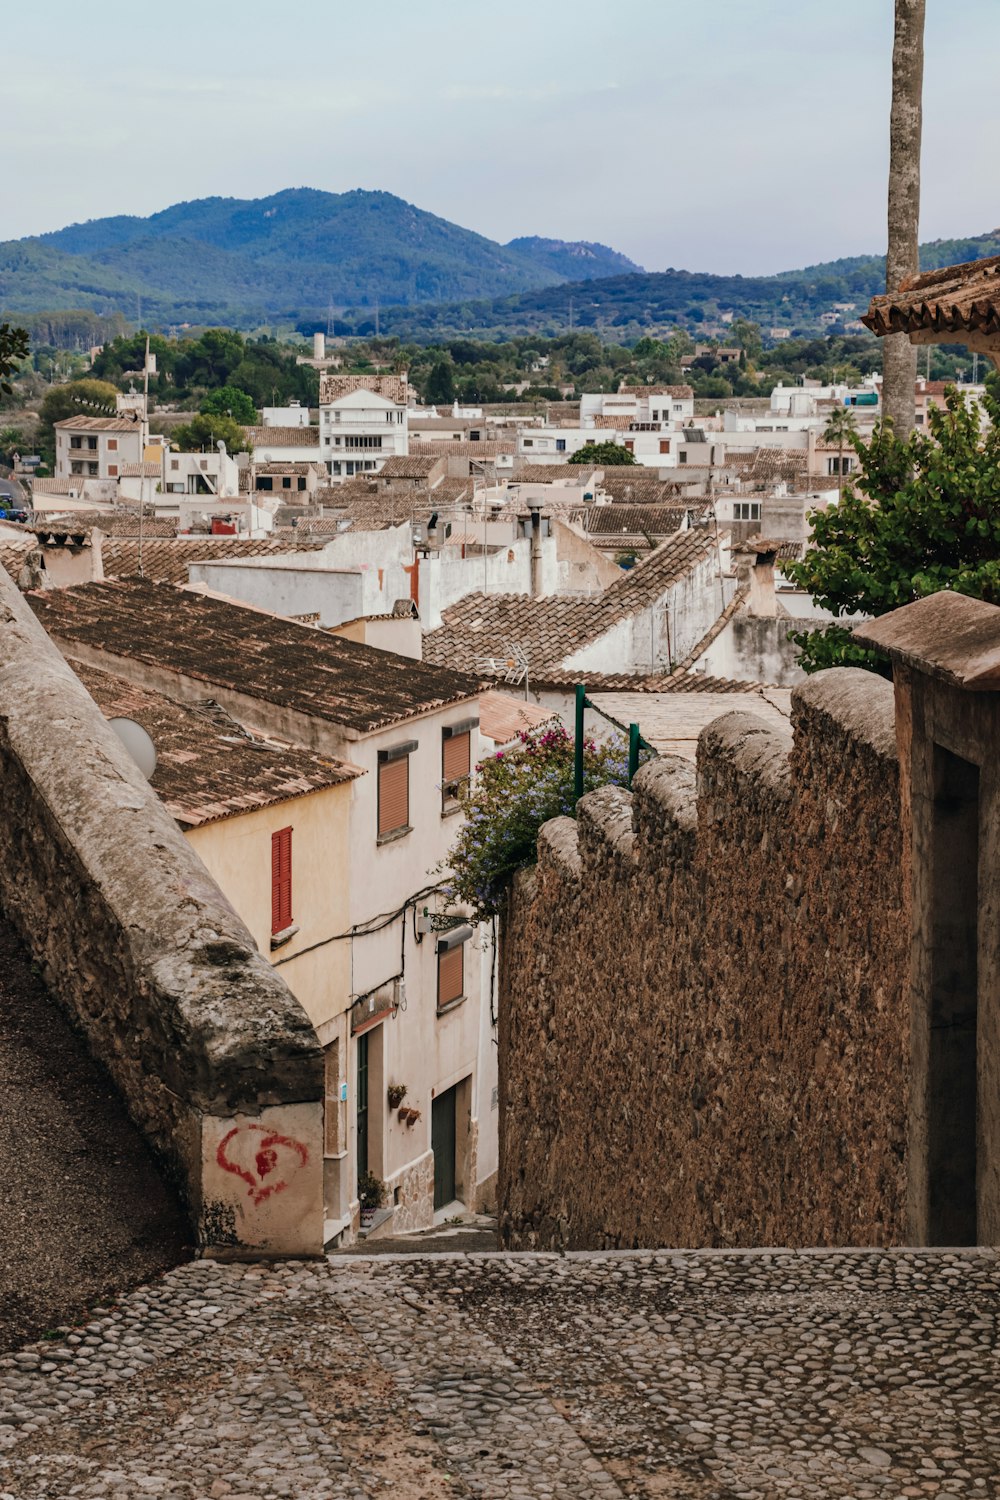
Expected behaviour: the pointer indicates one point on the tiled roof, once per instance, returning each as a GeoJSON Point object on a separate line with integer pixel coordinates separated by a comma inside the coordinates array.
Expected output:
{"type": "Point", "coordinates": [139, 471]}
{"type": "Point", "coordinates": [672, 721]}
{"type": "Point", "coordinates": [14, 554]}
{"type": "Point", "coordinates": [248, 652]}
{"type": "Point", "coordinates": [535, 473]}
{"type": "Point", "coordinates": [290, 467]}
{"type": "Point", "coordinates": [954, 301]}
{"type": "Point", "coordinates": [634, 486]}
{"type": "Point", "coordinates": [207, 765]}
{"type": "Point", "coordinates": [550, 629]}
{"type": "Point", "coordinates": [409, 466]}
{"type": "Point", "coordinates": [263, 438]}
{"type": "Point", "coordinates": [166, 559]}
{"type": "Point", "coordinates": [98, 424]}
{"type": "Point", "coordinates": [503, 717]}
{"type": "Point", "coordinates": [487, 448]}
{"type": "Point", "coordinates": [638, 520]}
{"type": "Point", "coordinates": [765, 465]}
{"type": "Point", "coordinates": [681, 680]}
{"type": "Point", "coordinates": [390, 387]}
{"type": "Point", "coordinates": [614, 423]}
{"type": "Point", "coordinates": [682, 392]}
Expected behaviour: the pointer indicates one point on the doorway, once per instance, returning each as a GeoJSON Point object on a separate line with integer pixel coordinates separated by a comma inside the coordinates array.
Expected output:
{"type": "Point", "coordinates": [952, 1092]}
{"type": "Point", "coordinates": [443, 1145]}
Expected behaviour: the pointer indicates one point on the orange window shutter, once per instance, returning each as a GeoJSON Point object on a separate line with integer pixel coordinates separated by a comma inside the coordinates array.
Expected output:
{"type": "Point", "coordinates": [456, 758]}
{"type": "Point", "coordinates": [451, 975]}
{"type": "Point", "coordinates": [393, 795]}
{"type": "Point", "coordinates": [281, 879]}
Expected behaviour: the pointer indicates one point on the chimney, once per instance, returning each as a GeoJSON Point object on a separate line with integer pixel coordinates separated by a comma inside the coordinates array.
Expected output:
{"type": "Point", "coordinates": [763, 602]}
{"type": "Point", "coordinates": [535, 511]}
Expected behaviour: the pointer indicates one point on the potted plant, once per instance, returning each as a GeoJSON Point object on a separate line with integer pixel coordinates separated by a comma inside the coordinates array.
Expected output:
{"type": "Point", "coordinates": [396, 1093]}
{"type": "Point", "coordinates": [371, 1196]}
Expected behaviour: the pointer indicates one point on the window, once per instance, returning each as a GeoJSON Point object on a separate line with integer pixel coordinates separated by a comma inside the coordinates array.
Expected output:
{"type": "Point", "coordinates": [560, 445]}
{"type": "Point", "coordinates": [93, 470]}
{"type": "Point", "coordinates": [456, 762]}
{"type": "Point", "coordinates": [451, 967]}
{"type": "Point", "coordinates": [529, 442]}
{"type": "Point", "coordinates": [76, 468]}
{"type": "Point", "coordinates": [112, 471]}
{"type": "Point", "coordinates": [92, 443]}
{"type": "Point", "coordinates": [678, 406]}
{"type": "Point", "coordinates": [265, 482]}
{"type": "Point", "coordinates": [394, 790]}
{"type": "Point", "coordinates": [112, 445]}
{"type": "Point", "coordinates": [281, 881]}
{"type": "Point", "coordinates": [746, 510]}
{"type": "Point", "coordinates": [682, 457]}
{"type": "Point", "coordinates": [76, 442]}
{"type": "Point", "coordinates": [331, 1110]}
{"type": "Point", "coordinates": [664, 445]}
{"type": "Point", "coordinates": [286, 484]}
{"type": "Point", "coordinates": [833, 466]}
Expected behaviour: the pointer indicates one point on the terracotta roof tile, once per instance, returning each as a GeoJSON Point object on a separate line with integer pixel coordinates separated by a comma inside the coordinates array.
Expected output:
{"type": "Point", "coordinates": [248, 652]}
{"type": "Point", "coordinates": [262, 438]}
{"type": "Point", "coordinates": [208, 766]}
{"type": "Point", "coordinates": [390, 387]}
{"type": "Point", "coordinates": [951, 302]}
{"type": "Point", "coordinates": [83, 423]}
{"type": "Point", "coordinates": [166, 559]}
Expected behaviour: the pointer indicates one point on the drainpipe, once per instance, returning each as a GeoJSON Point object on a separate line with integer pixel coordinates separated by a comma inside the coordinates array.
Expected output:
{"type": "Point", "coordinates": [535, 510]}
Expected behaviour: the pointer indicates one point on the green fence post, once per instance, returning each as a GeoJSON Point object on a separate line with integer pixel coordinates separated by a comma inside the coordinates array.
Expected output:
{"type": "Point", "coordinates": [581, 704]}
{"type": "Point", "coordinates": [634, 741]}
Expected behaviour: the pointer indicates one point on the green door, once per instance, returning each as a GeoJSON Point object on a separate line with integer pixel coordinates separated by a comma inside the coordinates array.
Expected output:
{"type": "Point", "coordinates": [443, 1146]}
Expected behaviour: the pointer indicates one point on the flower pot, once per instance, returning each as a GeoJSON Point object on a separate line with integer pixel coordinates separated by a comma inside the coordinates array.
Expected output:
{"type": "Point", "coordinates": [368, 1217]}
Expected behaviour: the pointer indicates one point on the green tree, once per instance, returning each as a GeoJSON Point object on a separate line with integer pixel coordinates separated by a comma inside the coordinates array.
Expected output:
{"type": "Point", "coordinates": [921, 516]}
{"type": "Point", "coordinates": [204, 432]}
{"type": "Point", "coordinates": [840, 428]}
{"type": "Point", "coordinates": [603, 455]}
{"type": "Point", "coordinates": [440, 385]}
{"type": "Point", "coordinates": [76, 398]}
{"type": "Point", "coordinates": [13, 348]}
{"type": "Point", "coordinates": [229, 401]}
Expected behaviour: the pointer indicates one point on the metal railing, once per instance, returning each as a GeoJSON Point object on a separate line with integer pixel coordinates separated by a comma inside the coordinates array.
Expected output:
{"type": "Point", "coordinates": [636, 743]}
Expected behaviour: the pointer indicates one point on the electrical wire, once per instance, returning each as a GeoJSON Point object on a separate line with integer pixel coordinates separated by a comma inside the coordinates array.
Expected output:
{"type": "Point", "coordinates": [363, 929]}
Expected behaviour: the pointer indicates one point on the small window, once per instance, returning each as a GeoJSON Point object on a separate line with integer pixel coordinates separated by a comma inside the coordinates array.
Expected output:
{"type": "Point", "coordinates": [682, 457]}
{"type": "Point", "coordinates": [451, 975]}
{"type": "Point", "coordinates": [664, 445]}
{"type": "Point", "coordinates": [92, 443]}
{"type": "Point", "coordinates": [281, 880]}
{"type": "Point", "coordinates": [112, 471]}
{"type": "Point", "coordinates": [456, 763]}
{"type": "Point", "coordinates": [678, 406]}
{"type": "Point", "coordinates": [394, 790]}
{"type": "Point", "coordinates": [76, 442]}
{"type": "Point", "coordinates": [560, 445]}
{"type": "Point", "coordinates": [529, 442]}
{"type": "Point", "coordinates": [112, 445]}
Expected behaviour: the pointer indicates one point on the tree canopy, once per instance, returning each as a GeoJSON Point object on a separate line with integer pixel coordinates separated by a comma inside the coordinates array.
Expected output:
{"type": "Point", "coordinates": [76, 398]}
{"type": "Point", "coordinates": [13, 348]}
{"type": "Point", "coordinates": [229, 401]}
{"type": "Point", "coordinates": [603, 455]}
{"type": "Point", "coordinates": [922, 515]}
{"type": "Point", "coordinates": [204, 432]}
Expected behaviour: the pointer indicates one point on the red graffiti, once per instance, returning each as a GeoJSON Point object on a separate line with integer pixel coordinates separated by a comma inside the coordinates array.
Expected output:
{"type": "Point", "coordinates": [267, 1160]}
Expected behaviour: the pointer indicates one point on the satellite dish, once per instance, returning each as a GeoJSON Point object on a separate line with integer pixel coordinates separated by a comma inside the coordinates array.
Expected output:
{"type": "Point", "coordinates": [138, 744]}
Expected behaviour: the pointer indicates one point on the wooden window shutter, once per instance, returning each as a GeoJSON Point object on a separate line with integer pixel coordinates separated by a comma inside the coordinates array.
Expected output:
{"type": "Point", "coordinates": [456, 756]}
{"type": "Point", "coordinates": [393, 795]}
{"type": "Point", "coordinates": [331, 1112]}
{"type": "Point", "coordinates": [451, 975]}
{"type": "Point", "coordinates": [281, 880]}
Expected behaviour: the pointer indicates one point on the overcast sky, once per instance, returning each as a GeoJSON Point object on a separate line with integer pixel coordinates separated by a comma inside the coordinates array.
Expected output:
{"type": "Point", "coordinates": [717, 135]}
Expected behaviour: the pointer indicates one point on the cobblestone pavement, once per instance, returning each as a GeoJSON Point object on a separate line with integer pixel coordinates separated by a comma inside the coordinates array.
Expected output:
{"type": "Point", "coordinates": [844, 1374]}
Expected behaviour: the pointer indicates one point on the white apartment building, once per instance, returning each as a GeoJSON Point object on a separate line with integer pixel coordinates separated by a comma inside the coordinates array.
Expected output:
{"type": "Point", "coordinates": [97, 447]}
{"type": "Point", "coordinates": [658, 406]}
{"type": "Point", "coordinates": [363, 420]}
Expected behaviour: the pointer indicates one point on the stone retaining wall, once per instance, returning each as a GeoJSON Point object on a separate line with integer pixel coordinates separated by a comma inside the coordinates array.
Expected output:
{"type": "Point", "coordinates": [216, 1060]}
{"type": "Point", "coordinates": [703, 1017]}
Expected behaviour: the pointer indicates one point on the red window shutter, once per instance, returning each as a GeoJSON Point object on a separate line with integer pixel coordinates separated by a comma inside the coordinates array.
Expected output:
{"type": "Point", "coordinates": [456, 757]}
{"type": "Point", "coordinates": [393, 795]}
{"type": "Point", "coordinates": [451, 975]}
{"type": "Point", "coordinates": [281, 879]}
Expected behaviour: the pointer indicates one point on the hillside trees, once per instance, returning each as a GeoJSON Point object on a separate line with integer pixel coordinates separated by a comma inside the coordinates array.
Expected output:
{"type": "Point", "coordinates": [229, 401]}
{"type": "Point", "coordinates": [603, 456]}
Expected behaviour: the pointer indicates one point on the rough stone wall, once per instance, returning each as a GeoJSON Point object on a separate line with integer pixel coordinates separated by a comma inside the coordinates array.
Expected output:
{"type": "Point", "coordinates": [140, 946]}
{"type": "Point", "coordinates": [703, 1017]}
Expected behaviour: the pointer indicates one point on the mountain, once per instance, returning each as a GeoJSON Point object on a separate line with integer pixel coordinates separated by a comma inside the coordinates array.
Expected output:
{"type": "Point", "coordinates": [579, 261]}
{"type": "Point", "coordinates": [241, 261]}
{"type": "Point", "coordinates": [812, 301]}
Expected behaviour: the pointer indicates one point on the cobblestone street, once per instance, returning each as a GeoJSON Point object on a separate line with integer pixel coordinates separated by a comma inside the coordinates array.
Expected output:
{"type": "Point", "coordinates": [850, 1375]}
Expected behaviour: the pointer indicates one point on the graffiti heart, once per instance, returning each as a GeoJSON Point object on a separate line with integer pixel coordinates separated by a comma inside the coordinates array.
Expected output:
{"type": "Point", "coordinates": [265, 1160]}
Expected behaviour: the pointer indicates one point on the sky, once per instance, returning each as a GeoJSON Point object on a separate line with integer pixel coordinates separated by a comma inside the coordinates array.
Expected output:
{"type": "Point", "coordinates": [716, 135]}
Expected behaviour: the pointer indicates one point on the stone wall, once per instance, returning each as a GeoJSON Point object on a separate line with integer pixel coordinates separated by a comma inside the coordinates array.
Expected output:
{"type": "Point", "coordinates": [703, 1014]}
{"type": "Point", "coordinates": [215, 1058]}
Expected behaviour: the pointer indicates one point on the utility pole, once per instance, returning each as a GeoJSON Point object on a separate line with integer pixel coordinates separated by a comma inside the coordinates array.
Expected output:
{"type": "Point", "coordinates": [143, 439]}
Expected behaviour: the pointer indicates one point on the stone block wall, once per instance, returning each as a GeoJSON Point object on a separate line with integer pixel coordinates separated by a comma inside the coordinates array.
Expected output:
{"type": "Point", "coordinates": [215, 1058]}
{"type": "Point", "coordinates": [703, 1011]}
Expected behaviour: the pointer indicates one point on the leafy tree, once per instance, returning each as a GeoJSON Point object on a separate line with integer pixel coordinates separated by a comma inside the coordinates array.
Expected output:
{"type": "Point", "coordinates": [513, 794]}
{"type": "Point", "coordinates": [603, 455]}
{"type": "Point", "coordinates": [229, 401]}
{"type": "Point", "coordinates": [440, 385]}
{"type": "Point", "coordinates": [921, 516]}
{"type": "Point", "coordinates": [75, 398]}
{"type": "Point", "coordinates": [203, 432]}
{"type": "Point", "coordinates": [840, 428]}
{"type": "Point", "coordinates": [13, 348]}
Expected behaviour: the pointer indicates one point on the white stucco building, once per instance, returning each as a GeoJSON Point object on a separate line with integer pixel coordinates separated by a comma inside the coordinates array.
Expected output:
{"type": "Point", "coordinates": [363, 420]}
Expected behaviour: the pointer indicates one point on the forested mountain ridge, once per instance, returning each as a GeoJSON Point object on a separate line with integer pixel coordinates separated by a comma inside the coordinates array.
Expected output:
{"type": "Point", "coordinates": [239, 261]}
